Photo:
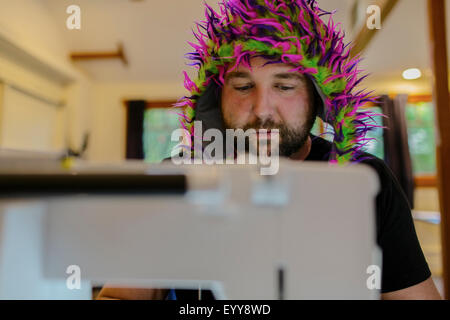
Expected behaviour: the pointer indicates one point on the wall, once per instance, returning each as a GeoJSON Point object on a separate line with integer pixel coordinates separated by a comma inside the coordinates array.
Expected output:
{"type": "Point", "coordinates": [35, 57]}
{"type": "Point", "coordinates": [109, 114]}
{"type": "Point", "coordinates": [95, 108]}
{"type": "Point", "coordinates": [30, 24]}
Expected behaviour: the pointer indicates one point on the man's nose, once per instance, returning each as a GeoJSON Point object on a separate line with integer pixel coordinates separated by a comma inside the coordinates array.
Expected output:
{"type": "Point", "coordinates": [262, 107]}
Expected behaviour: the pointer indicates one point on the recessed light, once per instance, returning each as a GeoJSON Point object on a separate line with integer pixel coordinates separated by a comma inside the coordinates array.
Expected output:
{"type": "Point", "coordinates": [412, 74]}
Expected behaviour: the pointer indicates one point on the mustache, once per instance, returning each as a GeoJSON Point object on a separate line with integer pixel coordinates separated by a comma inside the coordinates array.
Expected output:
{"type": "Point", "coordinates": [269, 125]}
{"type": "Point", "coordinates": [266, 124]}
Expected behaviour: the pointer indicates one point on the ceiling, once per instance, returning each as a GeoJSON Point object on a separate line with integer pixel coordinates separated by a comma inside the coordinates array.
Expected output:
{"type": "Point", "coordinates": [155, 35]}
{"type": "Point", "coordinates": [402, 43]}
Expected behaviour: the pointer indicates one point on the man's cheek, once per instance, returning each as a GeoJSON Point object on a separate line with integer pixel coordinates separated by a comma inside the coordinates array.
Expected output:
{"type": "Point", "coordinates": [240, 103]}
{"type": "Point", "coordinates": [240, 110]}
{"type": "Point", "coordinates": [293, 111]}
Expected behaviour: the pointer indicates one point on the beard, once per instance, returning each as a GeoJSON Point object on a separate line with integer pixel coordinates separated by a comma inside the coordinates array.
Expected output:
{"type": "Point", "coordinates": [291, 139]}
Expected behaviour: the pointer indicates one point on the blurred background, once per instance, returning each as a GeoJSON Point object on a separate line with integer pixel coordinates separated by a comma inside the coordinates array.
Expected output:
{"type": "Point", "coordinates": [104, 92]}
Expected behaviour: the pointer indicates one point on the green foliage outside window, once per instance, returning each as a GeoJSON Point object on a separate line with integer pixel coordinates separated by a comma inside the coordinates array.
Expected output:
{"type": "Point", "coordinates": [158, 127]}
{"type": "Point", "coordinates": [160, 123]}
{"type": "Point", "coordinates": [421, 137]}
{"type": "Point", "coordinates": [374, 147]}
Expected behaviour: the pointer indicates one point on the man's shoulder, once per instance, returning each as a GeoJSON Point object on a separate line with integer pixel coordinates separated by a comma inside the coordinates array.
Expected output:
{"type": "Point", "coordinates": [321, 150]}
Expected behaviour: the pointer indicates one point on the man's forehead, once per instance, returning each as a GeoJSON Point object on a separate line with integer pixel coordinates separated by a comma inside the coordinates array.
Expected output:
{"type": "Point", "coordinates": [282, 72]}
{"type": "Point", "coordinates": [276, 69]}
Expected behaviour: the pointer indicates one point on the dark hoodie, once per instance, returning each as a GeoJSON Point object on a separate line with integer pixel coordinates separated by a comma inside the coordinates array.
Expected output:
{"type": "Point", "coordinates": [404, 264]}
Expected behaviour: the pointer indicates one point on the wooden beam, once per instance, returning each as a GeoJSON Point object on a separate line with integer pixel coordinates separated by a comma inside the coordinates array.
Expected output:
{"type": "Point", "coordinates": [158, 104]}
{"type": "Point", "coordinates": [425, 181]}
{"type": "Point", "coordinates": [420, 98]}
{"type": "Point", "coordinates": [413, 99]}
{"type": "Point", "coordinates": [365, 35]}
{"type": "Point", "coordinates": [154, 104]}
{"type": "Point", "coordinates": [119, 54]}
{"type": "Point", "coordinates": [438, 50]}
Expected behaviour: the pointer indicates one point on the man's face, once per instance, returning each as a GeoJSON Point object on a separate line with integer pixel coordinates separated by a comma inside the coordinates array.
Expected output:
{"type": "Point", "coordinates": [270, 97]}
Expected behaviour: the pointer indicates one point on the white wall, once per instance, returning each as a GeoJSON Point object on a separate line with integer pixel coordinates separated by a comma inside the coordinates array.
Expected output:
{"type": "Point", "coordinates": [79, 113]}
{"type": "Point", "coordinates": [91, 107]}
{"type": "Point", "coordinates": [109, 114]}
{"type": "Point", "coordinates": [30, 24]}
{"type": "Point", "coordinates": [39, 63]}
{"type": "Point", "coordinates": [28, 123]}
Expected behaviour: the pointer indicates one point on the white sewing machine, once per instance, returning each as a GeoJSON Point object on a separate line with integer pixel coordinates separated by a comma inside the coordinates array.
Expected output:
{"type": "Point", "coordinates": [306, 233]}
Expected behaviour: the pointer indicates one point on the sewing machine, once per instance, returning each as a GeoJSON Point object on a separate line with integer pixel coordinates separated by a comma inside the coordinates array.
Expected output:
{"type": "Point", "coordinates": [301, 234]}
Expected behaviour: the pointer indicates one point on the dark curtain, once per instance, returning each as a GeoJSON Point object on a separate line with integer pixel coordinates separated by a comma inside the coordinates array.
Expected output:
{"type": "Point", "coordinates": [397, 155]}
{"type": "Point", "coordinates": [135, 129]}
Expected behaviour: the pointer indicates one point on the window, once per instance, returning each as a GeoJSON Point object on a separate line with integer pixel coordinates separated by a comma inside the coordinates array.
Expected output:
{"type": "Point", "coordinates": [158, 127]}
{"type": "Point", "coordinates": [317, 128]}
{"type": "Point", "coordinates": [149, 129]}
{"type": "Point", "coordinates": [159, 123]}
{"type": "Point", "coordinates": [421, 137]}
{"type": "Point", "coordinates": [374, 147]}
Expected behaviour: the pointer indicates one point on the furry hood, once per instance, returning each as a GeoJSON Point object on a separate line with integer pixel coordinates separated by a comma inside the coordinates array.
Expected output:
{"type": "Point", "coordinates": [283, 31]}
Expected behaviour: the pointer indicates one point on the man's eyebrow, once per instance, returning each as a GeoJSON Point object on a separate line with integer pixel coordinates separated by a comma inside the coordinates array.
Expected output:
{"type": "Point", "coordinates": [237, 74]}
{"type": "Point", "coordinates": [290, 75]}
{"type": "Point", "coordinates": [283, 75]}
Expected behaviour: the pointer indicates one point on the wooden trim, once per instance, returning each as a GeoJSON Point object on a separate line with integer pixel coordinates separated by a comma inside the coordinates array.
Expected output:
{"type": "Point", "coordinates": [411, 99]}
{"type": "Point", "coordinates": [321, 126]}
{"type": "Point", "coordinates": [420, 98]}
{"type": "Point", "coordinates": [370, 104]}
{"type": "Point", "coordinates": [365, 35]}
{"type": "Point", "coordinates": [438, 50]}
{"type": "Point", "coordinates": [153, 104]}
{"type": "Point", "coordinates": [425, 181]}
{"type": "Point", "coordinates": [96, 55]}
{"type": "Point", "coordinates": [160, 104]}
{"type": "Point", "coordinates": [2, 106]}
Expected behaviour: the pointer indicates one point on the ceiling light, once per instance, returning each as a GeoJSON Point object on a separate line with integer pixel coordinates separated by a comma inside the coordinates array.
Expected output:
{"type": "Point", "coordinates": [412, 74]}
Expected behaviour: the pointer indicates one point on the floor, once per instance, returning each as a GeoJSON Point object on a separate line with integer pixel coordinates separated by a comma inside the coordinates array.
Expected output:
{"type": "Point", "coordinates": [426, 219]}
{"type": "Point", "coordinates": [439, 285]}
{"type": "Point", "coordinates": [429, 234]}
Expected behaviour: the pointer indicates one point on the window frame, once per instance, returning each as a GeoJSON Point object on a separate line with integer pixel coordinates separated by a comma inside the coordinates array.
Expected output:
{"type": "Point", "coordinates": [420, 180]}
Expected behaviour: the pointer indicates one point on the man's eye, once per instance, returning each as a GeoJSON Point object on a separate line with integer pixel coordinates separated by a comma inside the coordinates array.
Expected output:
{"type": "Point", "coordinates": [244, 88]}
{"type": "Point", "coordinates": [284, 88]}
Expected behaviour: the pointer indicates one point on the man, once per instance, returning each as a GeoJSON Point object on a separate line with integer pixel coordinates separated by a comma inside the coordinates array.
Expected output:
{"type": "Point", "coordinates": [276, 65]}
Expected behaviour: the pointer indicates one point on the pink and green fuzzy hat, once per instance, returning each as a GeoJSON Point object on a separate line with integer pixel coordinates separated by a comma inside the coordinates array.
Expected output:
{"type": "Point", "coordinates": [284, 31]}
